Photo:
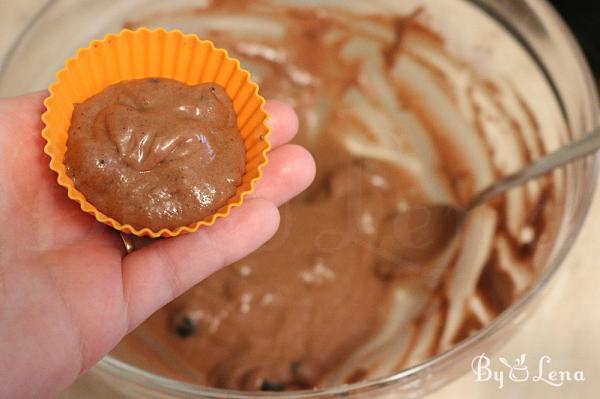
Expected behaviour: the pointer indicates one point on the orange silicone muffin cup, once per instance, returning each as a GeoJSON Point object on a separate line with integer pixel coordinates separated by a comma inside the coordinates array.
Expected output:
{"type": "Point", "coordinates": [154, 53]}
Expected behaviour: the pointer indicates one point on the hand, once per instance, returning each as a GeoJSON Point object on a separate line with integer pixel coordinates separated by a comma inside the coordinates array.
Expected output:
{"type": "Point", "coordinates": [67, 293]}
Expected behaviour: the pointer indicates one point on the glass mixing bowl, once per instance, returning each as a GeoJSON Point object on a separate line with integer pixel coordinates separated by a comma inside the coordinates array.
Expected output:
{"type": "Point", "coordinates": [547, 68]}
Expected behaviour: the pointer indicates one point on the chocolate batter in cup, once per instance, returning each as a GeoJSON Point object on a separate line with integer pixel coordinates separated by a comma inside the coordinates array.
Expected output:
{"type": "Point", "coordinates": [168, 133]}
{"type": "Point", "coordinates": [155, 152]}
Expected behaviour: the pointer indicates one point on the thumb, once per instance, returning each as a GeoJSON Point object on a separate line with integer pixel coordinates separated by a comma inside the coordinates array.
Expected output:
{"type": "Point", "coordinates": [158, 273]}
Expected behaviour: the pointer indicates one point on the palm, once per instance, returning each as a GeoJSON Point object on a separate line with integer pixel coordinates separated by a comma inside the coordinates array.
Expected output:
{"type": "Point", "coordinates": [67, 293]}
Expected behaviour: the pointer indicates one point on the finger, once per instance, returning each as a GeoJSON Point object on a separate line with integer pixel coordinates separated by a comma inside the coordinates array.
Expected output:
{"type": "Point", "coordinates": [290, 171]}
{"type": "Point", "coordinates": [158, 273]}
{"type": "Point", "coordinates": [25, 110]}
{"type": "Point", "coordinates": [283, 121]}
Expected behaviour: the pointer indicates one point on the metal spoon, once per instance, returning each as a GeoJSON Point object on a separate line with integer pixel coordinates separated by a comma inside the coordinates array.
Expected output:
{"type": "Point", "coordinates": [444, 220]}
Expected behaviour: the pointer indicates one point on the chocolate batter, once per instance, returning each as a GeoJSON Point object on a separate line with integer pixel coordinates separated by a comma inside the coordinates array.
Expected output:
{"type": "Point", "coordinates": [348, 289]}
{"type": "Point", "coordinates": [155, 152]}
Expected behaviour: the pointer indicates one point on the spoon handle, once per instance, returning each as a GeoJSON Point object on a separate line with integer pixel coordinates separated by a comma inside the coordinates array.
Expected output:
{"type": "Point", "coordinates": [575, 150]}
